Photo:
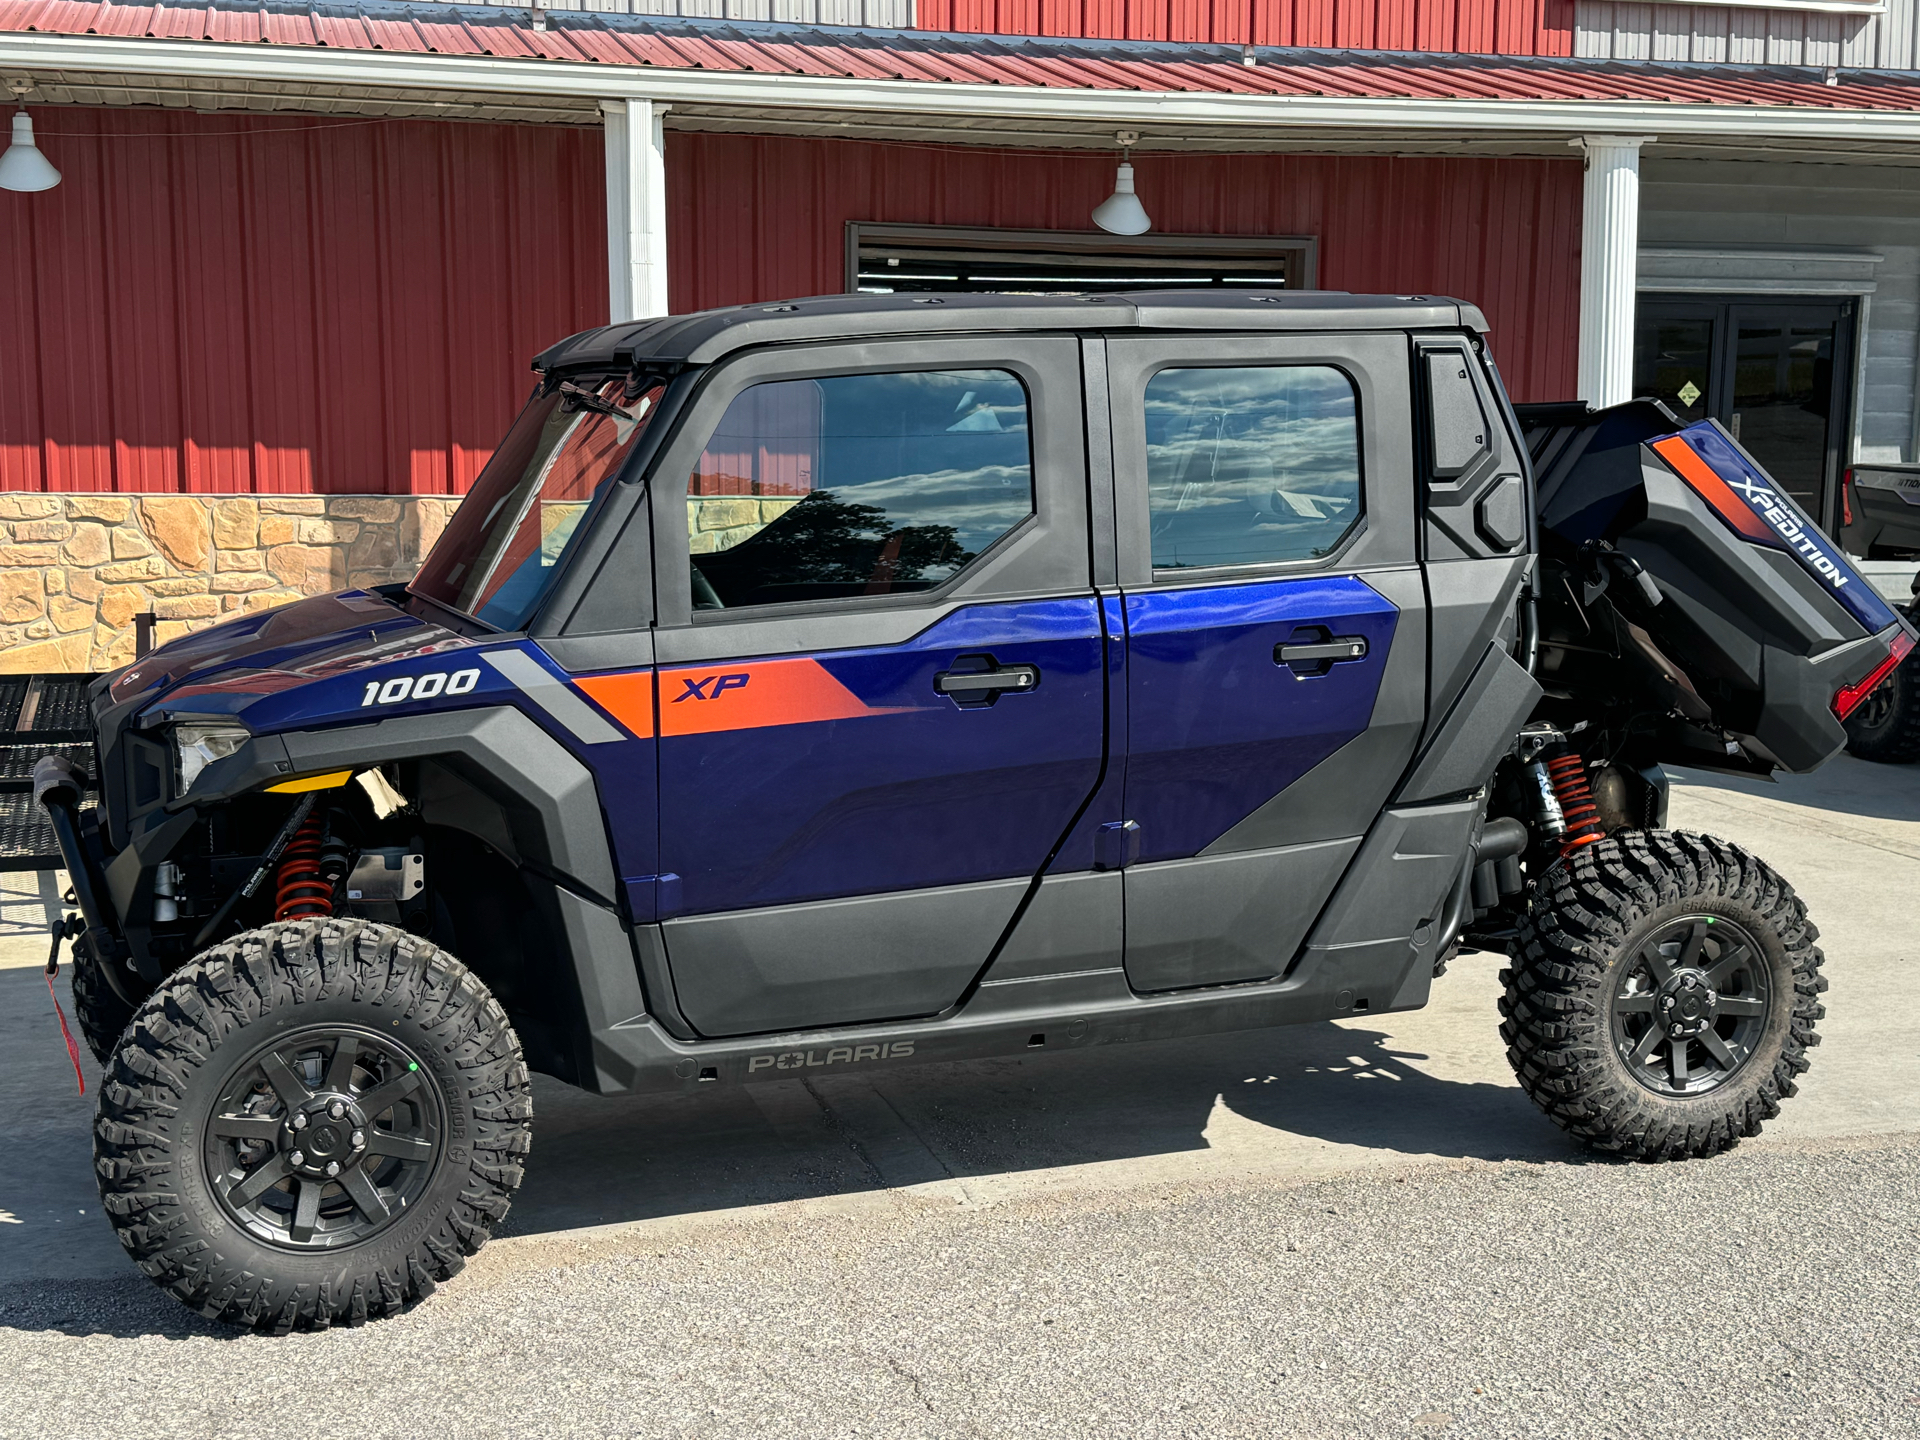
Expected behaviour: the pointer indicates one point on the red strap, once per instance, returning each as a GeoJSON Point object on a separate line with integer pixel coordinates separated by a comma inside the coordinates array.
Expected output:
{"type": "Point", "coordinates": [73, 1051]}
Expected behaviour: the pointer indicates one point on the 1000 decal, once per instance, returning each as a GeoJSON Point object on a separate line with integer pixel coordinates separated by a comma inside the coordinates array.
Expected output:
{"type": "Point", "coordinates": [419, 687]}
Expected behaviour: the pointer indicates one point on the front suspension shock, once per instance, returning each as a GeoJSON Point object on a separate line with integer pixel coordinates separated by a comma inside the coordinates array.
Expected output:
{"type": "Point", "coordinates": [300, 887]}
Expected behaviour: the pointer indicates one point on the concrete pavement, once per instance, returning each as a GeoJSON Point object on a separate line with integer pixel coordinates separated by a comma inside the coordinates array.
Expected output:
{"type": "Point", "coordinates": [770, 1261]}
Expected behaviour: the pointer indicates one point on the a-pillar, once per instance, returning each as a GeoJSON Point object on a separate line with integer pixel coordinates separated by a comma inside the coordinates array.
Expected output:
{"type": "Point", "coordinates": [1610, 238]}
{"type": "Point", "coordinates": [636, 209]}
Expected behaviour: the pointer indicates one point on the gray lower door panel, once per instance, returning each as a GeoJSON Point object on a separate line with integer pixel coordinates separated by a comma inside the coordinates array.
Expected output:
{"type": "Point", "coordinates": [1212, 920]}
{"type": "Point", "coordinates": [1413, 857]}
{"type": "Point", "coordinates": [872, 958]}
{"type": "Point", "coordinates": [1072, 924]}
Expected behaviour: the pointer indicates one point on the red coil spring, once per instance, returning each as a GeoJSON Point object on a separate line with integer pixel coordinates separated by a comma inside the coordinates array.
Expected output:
{"type": "Point", "coordinates": [1567, 773]}
{"type": "Point", "coordinates": [299, 888]}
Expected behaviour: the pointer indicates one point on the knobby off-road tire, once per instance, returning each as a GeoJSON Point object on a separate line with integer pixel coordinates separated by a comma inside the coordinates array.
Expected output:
{"type": "Point", "coordinates": [1887, 725]}
{"type": "Point", "coordinates": [97, 1008]}
{"type": "Point", "coordinates": [299, 1047]}
{"type": "Point", "coordinates": [1635, 937]}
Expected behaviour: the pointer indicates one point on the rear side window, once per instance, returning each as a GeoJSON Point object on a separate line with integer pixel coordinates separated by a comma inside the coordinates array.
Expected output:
{"type": "Point", "coordinates": [1251, 465]}
{"type": "Point", "coordinates": [856, 485]}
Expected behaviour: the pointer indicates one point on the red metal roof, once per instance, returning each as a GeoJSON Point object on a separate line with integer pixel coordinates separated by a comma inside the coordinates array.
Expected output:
{"type": "Point", "coordinates": [774, 49]}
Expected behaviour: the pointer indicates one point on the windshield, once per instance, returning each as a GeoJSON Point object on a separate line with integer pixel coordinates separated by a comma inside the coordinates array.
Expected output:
{"type": "Point", "coordinates": [503, 547]}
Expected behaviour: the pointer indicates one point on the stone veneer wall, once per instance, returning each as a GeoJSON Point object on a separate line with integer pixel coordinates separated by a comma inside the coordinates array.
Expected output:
{"type": "Point", "coordinates": [76, 569]}
{"type": "Point", "coordinates": [721, 522]}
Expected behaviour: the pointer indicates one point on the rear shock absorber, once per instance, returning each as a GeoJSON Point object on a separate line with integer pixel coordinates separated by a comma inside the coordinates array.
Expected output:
{"type": "Point", "coordinates": [300, 887]}
{"type": "Point", "coordinates": [1567, 773]}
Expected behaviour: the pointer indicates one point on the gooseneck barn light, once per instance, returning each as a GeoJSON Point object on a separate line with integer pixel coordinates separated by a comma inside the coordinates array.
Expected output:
{"type": "Point", "coordinates": [1122, 212]}
{"type": "Point", "coordinates": [23, 167]}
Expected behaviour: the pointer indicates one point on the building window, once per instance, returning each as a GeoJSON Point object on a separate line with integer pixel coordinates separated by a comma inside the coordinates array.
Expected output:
{"type": "Point", "coordinates": [885, 259]}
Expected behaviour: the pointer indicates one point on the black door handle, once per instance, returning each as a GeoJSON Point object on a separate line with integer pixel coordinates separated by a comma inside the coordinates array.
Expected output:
{"type": "Point", "coordinates": [969, 683]}
{"type": "Point", "coordinates": [1311, 651]}
{"type": "Point", "coordinates": [1347, 647]}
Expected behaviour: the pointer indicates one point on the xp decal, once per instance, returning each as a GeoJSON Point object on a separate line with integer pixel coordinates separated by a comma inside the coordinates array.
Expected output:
{"type": "Point", "coordinates": [699, 700]}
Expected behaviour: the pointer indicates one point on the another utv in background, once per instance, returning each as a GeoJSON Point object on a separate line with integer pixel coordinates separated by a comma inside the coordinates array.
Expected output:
{"type": "Point", "coordinates": [861, 680]}
{"type": "Point", "coordinates": [1879, 508]}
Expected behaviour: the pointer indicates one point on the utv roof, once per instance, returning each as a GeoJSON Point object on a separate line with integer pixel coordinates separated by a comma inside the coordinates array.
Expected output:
{"type": "Point", "coordinates": [710, 334]}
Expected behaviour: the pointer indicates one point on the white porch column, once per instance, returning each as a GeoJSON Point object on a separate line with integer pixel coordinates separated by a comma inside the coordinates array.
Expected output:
{"type": "Point", "coordinates": [1610, 236]}
{"type": "Point", "coordinates": [636, 209]}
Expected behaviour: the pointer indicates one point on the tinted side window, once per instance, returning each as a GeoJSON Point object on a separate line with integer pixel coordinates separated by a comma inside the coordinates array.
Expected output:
{"type": "Point", "coordinates": [1251, 465]}
{"type": "Point", "coordinates": [856, 485]}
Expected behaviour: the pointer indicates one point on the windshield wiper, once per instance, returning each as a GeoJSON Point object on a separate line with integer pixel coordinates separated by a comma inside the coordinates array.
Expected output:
{"type": "Point", "coordinates": [582, 398]}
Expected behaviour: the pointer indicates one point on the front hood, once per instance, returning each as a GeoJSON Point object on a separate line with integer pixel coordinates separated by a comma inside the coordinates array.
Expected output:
{"type": "Point", "coordinates": [242, 668]}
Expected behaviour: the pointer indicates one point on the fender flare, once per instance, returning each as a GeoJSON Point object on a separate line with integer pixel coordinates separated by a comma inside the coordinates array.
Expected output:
{"type": "Point", "coordinates": [547, 794]}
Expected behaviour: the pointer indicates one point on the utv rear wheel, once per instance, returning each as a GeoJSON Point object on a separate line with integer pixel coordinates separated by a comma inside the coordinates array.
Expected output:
{"type": "Point", "coordinates": [313, 1123]}
{"type": "Point", "coordinates": [1663, 995]}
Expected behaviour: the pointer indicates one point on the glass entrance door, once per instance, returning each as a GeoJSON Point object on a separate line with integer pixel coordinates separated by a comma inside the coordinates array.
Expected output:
{"type": "Point", "coordinates": [1775, 373]}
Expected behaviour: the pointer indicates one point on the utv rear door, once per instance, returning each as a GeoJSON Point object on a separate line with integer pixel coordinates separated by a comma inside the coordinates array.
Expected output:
{"type": "Point", "coordinates": [879, 672]}
{"type": "Point", "coordinates": [1276, 635]}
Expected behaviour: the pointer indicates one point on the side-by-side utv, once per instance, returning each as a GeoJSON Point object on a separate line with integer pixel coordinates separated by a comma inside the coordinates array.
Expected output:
{"type": "Point", "coordinates": [869, 680]}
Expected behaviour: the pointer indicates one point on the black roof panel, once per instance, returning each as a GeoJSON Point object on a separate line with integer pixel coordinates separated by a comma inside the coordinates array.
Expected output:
{"type": "Point", "coordinates": [707, 335]}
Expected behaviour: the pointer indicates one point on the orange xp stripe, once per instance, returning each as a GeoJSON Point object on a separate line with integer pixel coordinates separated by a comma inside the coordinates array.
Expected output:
{"type": "Point", "coordinates": [1711, 488]}
{"type": "Point", "coordinates": [627, 696]}
{"type": "Point", "coordinates": [724, 696]}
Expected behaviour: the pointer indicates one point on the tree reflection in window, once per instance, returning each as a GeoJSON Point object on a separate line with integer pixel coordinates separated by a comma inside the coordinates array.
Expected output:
{"type": "Point", "coordinates": [858, 485]}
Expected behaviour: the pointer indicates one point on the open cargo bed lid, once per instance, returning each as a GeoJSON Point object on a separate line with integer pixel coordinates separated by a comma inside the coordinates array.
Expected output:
{"type": "Point", "coordinates": [1763, 614]}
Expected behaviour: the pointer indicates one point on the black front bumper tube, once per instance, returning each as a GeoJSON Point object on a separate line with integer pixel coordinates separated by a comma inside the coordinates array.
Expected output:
{"type": "Point", "coordinates": [58, 787]}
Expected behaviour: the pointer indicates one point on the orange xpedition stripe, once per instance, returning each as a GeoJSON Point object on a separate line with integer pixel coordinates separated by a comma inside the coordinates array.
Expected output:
{"type": "Point", "coordinates": [627, 696]}
{"type": "Point", "coordinates": [745, 695]}
{"type": "Point", "coordinates": [1688, 464]}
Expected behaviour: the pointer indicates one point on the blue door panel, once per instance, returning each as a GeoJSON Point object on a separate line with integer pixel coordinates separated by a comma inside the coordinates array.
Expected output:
{"type": "Point", "coordinates": [916, 791]}
{"type": "Point", "coordinates": [1215, 726]}
{"type": "Point", "coordinates": [1085, 846]}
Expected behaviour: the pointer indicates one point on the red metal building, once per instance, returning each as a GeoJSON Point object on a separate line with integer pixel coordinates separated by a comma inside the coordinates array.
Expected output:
{"type": "Point", "coordinates": [340, 296]}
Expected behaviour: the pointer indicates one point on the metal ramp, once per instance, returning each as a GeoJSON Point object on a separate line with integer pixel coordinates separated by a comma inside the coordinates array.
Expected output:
{"type": "Point", "coordinates": [38, 714]}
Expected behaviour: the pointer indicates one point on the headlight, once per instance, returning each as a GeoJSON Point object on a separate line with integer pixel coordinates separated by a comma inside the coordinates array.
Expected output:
{"type": "Point", "coordinates": [195, 747]}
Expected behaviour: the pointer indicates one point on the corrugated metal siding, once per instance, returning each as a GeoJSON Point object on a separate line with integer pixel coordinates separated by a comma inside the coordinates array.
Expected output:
{"type": "Point", "coordinates": [1483, 27]}
{"type": "Point", "coordinates": [759, 217]}
{"type": "Point", "coordinates": [1721, 34]}
{"type": "Point", "coordinates": [236, 303]}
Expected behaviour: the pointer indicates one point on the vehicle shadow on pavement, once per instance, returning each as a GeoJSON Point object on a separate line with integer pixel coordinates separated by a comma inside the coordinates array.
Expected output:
{"type": "Point", "coordinates": [1297, 1101]}
{"type": "Point", "coordinates": [1301, 1101]}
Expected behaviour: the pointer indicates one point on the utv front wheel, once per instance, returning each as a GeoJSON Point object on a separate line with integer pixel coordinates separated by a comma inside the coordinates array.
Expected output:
{"type": "Point", "coordinates": [1663, 995]}
{"type": "Point", "coordinates": [311, 1124]}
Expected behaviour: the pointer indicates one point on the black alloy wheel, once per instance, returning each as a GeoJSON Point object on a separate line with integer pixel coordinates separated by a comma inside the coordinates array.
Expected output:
{"type": "Point", "coordinates": [1874, 713]}
{"type": "Point", "coordinates": [313, 1124]}
{"type": "Point", "coordinates": [1662, 994]}
{"type": "Point", "coordinates": [1691, 1005]}
{"type": "Point", "coordinates": [324, 1138]}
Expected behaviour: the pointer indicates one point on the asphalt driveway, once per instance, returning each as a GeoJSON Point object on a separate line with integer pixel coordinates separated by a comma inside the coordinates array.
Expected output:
{"type": "Point", "coordinates": [1359, 1228]}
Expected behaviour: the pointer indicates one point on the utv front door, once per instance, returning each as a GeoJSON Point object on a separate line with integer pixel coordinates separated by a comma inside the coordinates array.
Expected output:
{"type": "Point", "coordinates": [879, 684]}
{"type": "Point", "coordinates": [1276, 635]}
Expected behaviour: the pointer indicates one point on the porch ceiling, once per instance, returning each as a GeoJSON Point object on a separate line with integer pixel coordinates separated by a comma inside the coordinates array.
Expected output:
{"type": "Point", "coordinates": [264, 96]}
{"type": "Point", "coordinates": [495, 63]}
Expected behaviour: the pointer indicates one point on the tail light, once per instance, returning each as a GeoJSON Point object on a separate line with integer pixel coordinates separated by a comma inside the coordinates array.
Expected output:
{"type": "Point", "coordinates": [1849, 697]}
{"type": "Point", "coordinates": [1847, 496]}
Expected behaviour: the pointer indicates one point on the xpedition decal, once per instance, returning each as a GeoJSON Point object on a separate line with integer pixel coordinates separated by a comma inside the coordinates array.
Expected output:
{"type": "Point", "coordinates": [1757, 509]}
